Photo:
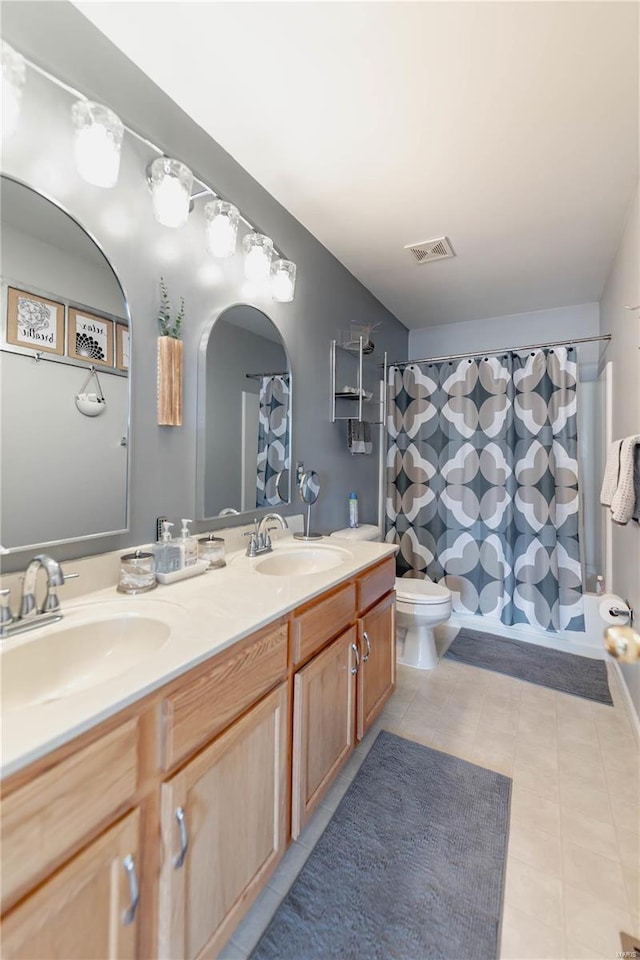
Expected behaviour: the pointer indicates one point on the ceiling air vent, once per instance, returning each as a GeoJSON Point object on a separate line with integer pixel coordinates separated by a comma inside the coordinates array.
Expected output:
{"type": "Point", "coordinates": [427, 250]}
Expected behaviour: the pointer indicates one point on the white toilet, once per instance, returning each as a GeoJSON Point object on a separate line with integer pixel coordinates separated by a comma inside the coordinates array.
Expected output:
{"type": "Point", "coordinates": [420, 606]}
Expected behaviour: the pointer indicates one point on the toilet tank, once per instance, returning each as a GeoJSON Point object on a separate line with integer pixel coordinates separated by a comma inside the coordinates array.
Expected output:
{"type": "Point", "coordinates": [366, 531]}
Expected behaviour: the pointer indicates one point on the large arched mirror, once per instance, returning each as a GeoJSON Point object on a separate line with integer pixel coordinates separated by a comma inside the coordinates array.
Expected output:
{"type": "Point", "coordinates": [244, 415]}
{"type": "Point", "coordinates": [64, 393]}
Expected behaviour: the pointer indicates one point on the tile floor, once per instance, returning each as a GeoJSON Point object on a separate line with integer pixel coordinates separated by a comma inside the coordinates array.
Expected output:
{"type": "Point", "coordinates": [573, 866]}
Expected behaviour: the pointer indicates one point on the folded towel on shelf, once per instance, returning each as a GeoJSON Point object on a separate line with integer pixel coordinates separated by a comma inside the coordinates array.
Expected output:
{"type": "Point", "coordinates": [623, 503]}
{"type": "Point", "coordinates": [358, 437]}
{"type": "Point", "coordinates": [611, 470]}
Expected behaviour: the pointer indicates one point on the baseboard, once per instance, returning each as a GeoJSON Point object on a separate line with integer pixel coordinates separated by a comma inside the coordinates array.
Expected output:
{"type": "Point", "coordinates": [630, 705]}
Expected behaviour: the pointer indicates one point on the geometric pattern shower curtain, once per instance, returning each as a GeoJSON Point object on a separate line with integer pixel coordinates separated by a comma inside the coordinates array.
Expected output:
{"type": "Point", "coordinates": [273, 438]}
{"type": "Point", "coordinates": [482, 483]}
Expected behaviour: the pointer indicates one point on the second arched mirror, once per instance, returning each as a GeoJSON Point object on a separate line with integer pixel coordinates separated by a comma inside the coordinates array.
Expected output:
{"type": "Point", "coordinates": [244, 415]}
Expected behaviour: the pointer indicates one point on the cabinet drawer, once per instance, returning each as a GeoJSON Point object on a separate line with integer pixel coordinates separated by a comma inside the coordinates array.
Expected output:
{"type": "Point", "coordinates": [324, 620]}
{"type": "Point", "coordinates": [49, 817]}
{"type": "Point", "coordinates": [205, 705]}
{"type": "Point", "coordinates": [373, 585]}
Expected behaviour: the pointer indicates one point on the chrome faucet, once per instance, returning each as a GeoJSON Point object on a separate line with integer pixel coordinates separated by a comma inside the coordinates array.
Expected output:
{"type": "Point", "coordinates": [259, 539]}
{"type": "Point", "coordinates": [30, 615]}
{"type": "Point", "coordinates": [228, 512]}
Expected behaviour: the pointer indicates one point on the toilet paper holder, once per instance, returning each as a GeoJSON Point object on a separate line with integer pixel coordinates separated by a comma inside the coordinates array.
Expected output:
{"type": "Point", "coordinates": [625, 613]}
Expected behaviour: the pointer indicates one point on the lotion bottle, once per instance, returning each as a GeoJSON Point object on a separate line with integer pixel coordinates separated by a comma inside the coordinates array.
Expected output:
{"type": "Point", "coordinates": [167, 553]}
{"type": "Point", "coordinates": [188, 545]}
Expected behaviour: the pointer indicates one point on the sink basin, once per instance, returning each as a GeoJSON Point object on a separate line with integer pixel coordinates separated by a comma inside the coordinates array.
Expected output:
{"type": "Point", "coordinates": [71, 659]}
{"type": "Point", "coordinates": [302, 562]}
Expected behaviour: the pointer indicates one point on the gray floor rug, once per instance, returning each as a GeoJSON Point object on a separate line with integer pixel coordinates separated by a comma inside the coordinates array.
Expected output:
{"type": "Point", "coordinates": [410, 867]}
{"type": "Point", "coordinates": [567, 672]}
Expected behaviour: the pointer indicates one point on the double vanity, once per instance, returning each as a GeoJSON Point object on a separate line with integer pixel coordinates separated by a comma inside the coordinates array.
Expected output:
{"type": "Point", "coordinates": [160, 752]}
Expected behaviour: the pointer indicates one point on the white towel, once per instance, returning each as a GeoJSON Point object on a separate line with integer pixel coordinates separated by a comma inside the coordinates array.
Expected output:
{"type": "Point", "coordinates": [612, 467]}
{"type": "Point", "coordinates": [624, 499]}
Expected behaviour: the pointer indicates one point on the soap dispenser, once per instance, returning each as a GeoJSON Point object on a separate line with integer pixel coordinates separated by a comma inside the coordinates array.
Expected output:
{"type": "Point", "coordinates": [188, 544]}
{"type": "Point", "coordinates": [168, 554]}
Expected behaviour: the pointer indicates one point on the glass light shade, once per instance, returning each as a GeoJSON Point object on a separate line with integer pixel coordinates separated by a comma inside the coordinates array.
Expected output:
{"type": "Point", "coordinates": [283, 280]}
{"type": "Point", "coordinates": [13, 77]}
{"type": "Point", "coordinates": [97, 144]}
{"type": "Point", "coordinates": [222, 227]}
{"type": "Point", "coordinates": [171, 183]}
{"type": "Point", "coordinates": [258, 251]}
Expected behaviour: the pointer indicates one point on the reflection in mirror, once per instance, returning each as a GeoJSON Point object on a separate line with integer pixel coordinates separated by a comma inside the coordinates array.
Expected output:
{"type": "Point", "coordinates": [244, 415]}
{"type": "Point", "coordinates": [64, 394]}
{"type": "Point", "coordinates": [309, 492]}
{"type": "Point", "coordinates": [309, 487]}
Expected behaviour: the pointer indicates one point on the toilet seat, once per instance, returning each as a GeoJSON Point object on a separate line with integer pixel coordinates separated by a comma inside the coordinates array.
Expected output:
{"type": "Point", "coordinates": [420, 591]}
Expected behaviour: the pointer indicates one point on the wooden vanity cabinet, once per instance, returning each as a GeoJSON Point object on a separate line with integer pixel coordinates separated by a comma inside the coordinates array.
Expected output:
{"type": "Point", "coordinates": [85, 909]}
{"type": "Point", "coordinates": [377, 669]}
{"type": "Point", "coordinates": [201, 784]}
{"type": "Point", "coordinates": [339, 693]}
{"type": "Point", "coordinates": [223, 828]}
{"type": "Point", "coordinates": [323, 707]}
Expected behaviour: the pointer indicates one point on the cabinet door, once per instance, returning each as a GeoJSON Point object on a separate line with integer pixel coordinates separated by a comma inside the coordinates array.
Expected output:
{"type": "Point", "coordinates": [85, 909]}
{"type": "Point", "coordinates": [323, 724]}
{"type": "Point", "coordinates": [223, 824]}
{"type": "Point", "coordinates": [377, 673]}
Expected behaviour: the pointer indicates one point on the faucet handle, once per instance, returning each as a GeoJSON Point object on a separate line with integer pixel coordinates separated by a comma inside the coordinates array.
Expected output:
{"type": "Point", "coordinates": [6, 615]}
{"type": "Point", "coordinates": [253, 543]}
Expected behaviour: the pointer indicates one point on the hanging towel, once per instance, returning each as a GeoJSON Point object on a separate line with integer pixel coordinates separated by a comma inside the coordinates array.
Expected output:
{"type": "Point", "coordinates": [636, 484]}
{"type": "Point", "coordinates": [611, 470]}
{"type": "Point", "coordinates": [358, 437]}
{"type": "Point", "coordinates": [624, 499]}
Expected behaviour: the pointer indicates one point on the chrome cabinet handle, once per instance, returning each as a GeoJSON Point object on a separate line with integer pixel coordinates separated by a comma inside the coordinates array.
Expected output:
{"type": "Point", "coordinates": [365, 637]}
{"type": "Point", "coordinates": [356, 654]}
{"type": "Point", "coordinates": [134, 890]}
{"type": "Point", "coordinates": [184, 838]}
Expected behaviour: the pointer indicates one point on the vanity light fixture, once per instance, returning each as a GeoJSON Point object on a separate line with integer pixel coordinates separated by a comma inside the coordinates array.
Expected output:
{"type": "Point", "coordinates": [13, 78]}
{"type": "Point", "coordinates": [258, 251]}
{"type": "Point", "coordinates": [97, 143]}
{"type": "Point", "coordinates": [222, 220]}
{"type": "Point", "coordinates": [283, 280]}
{"type": "Point", "coordinates": [170, 182]}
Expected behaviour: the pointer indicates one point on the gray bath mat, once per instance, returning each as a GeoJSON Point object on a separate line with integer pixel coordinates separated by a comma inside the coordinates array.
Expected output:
{"type": "Point", "coordinates": [567, 672]}
{"type": "Point", "coordinates": [410, 867]}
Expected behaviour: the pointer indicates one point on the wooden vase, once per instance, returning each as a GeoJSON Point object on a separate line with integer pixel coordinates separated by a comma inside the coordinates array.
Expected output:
{"type": "Point", "coordinates": [169, 382]}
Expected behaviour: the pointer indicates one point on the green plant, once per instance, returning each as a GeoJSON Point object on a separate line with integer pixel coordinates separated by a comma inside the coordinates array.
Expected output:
{"type": "Point", "coordinates": [169, 327]}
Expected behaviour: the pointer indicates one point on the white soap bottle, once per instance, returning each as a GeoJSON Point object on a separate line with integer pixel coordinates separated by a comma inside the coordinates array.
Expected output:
{"type": "Point", "coordinates": [188, 544]}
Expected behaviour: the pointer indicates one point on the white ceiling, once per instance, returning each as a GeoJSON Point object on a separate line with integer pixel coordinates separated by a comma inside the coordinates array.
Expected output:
{"type": "Point", "coordinates": [511, 128]}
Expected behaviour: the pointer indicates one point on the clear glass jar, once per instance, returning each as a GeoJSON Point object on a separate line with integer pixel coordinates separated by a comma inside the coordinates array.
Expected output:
{"type": "Point", "coordinates": [212, 549]}
{"type": "Point", "coordinates": [137, 573]}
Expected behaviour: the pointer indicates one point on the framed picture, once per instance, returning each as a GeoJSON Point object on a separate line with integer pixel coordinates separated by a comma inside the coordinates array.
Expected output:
{"type": "Point", "coordinates": [90, 337]}
{"type": "Point", "coordinates": [122, 346]}
{"type": "Point", "coordinates": [34, 321]}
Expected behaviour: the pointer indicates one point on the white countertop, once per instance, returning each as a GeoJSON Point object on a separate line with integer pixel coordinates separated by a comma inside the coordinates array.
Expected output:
{"type": "Point", "coordinates": [204, 615]}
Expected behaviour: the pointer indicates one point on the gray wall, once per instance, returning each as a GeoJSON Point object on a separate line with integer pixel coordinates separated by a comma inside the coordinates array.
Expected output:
{"type": "Point", "coordinates": [623, 289]}
{"type": "Point", "coordinates": [519, 329]}
{"type": "Point", "coordinates": [328, 297]}
{"type": "Point", "coordinates": [232, 353]}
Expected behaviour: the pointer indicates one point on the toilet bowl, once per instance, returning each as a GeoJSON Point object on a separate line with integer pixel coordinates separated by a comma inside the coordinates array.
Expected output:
{"type": "Point", "coordinates": [420, 606]}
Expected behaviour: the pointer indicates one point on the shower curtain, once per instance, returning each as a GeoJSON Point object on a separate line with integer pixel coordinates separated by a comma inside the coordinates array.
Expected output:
{"type": "Point", "coordinates": [482, 483]}
{"type": "Point", "coordinates": [273, 438]}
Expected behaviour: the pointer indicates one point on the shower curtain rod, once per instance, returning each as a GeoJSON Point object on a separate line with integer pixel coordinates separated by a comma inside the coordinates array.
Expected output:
{"type": "Point", "coordinates": [478, 353]}
{"type": "Point", "coordinates": [259, 376]}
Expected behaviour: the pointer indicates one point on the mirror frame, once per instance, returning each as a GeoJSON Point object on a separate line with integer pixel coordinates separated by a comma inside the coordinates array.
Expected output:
{"type": "Point", "coordinates": [234, 519]}
{"type": "Point", "coordinates": [9, 348]}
